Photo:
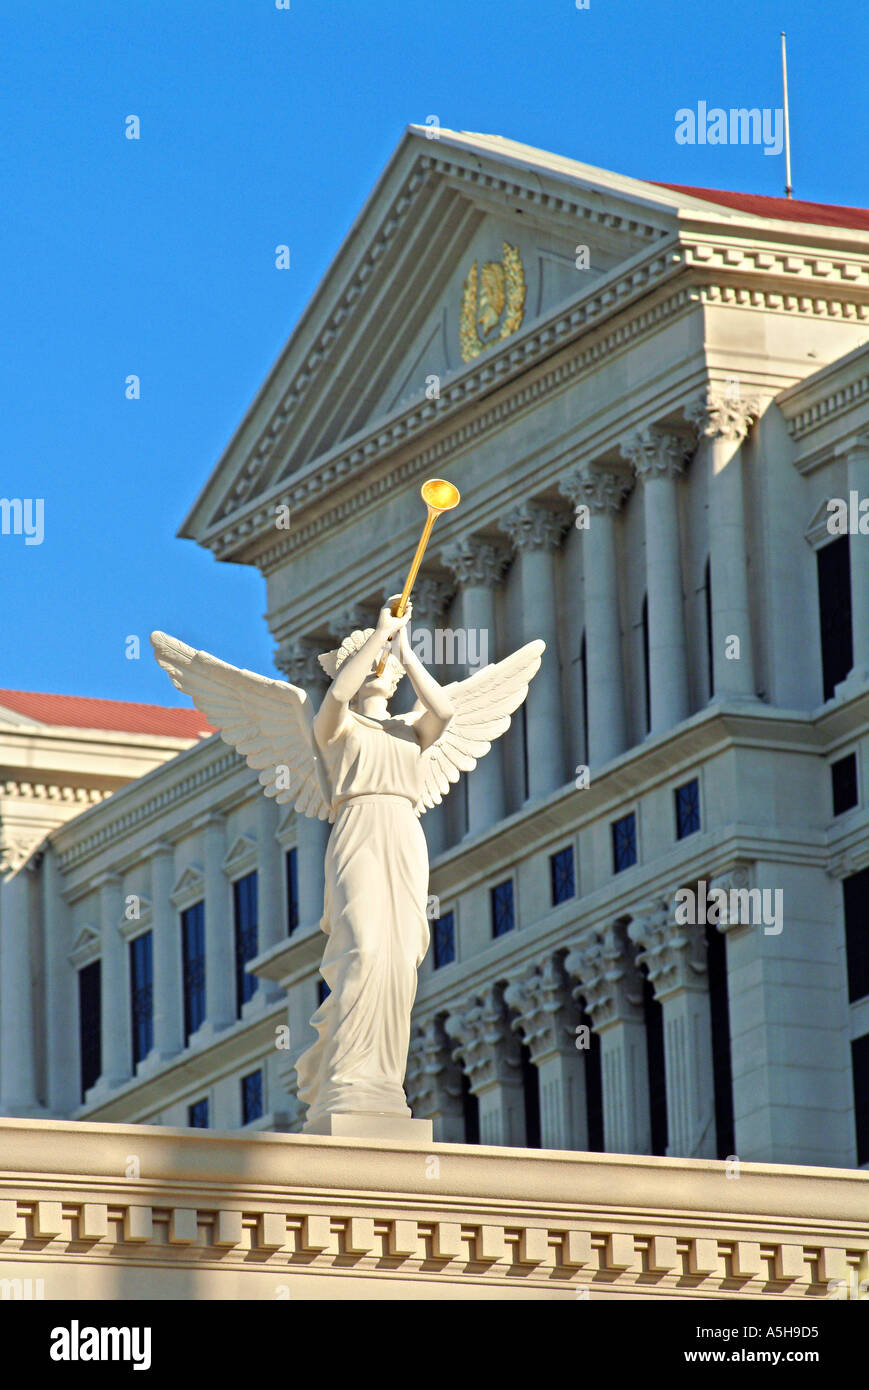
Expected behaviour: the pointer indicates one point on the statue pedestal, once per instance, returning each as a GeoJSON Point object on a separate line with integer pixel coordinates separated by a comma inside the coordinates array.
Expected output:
{"type": "Point", "coordinates": [369, 1124]}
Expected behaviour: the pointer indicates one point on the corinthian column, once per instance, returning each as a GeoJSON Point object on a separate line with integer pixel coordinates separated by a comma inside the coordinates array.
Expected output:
{"type": "Point", "coordinates": [536, 531]}
{"type": "Point", "coordinates": [658, 457]}
{"type": "Point", "coordinates": [722, 423]}
{"type": "Point", "coordinates": [547, 1017]}
{"type": "Point", "coordinates": [478, 563]}
{"type": "Point", "coordinates": [298, 660]}
{"type": "Point", "coordinates": [610, 984]}
{"type": "Point", "coordinates": [433, 1084]}
{"type": "Point", "coordinates": [601, 492]}
{"type": "Point", "coordinates": [856, 450]}
{"type": "Point", "coordinates": [489, 1052]}
{"type": "Point", "coordinates": [675, 957]}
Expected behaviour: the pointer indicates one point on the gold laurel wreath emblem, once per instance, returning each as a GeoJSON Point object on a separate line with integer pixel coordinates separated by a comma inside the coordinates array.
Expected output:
{"type": "Point", "coordinates": [470, 342]}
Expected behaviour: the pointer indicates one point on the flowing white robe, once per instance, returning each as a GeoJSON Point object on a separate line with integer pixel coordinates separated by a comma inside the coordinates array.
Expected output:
{"type": "Point", "coordinates": [374, 916]}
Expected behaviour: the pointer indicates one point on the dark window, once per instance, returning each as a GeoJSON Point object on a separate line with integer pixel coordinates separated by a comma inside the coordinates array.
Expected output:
{"type": "Point", "coordinates": [292, 890]}
{"type": "Point", "coordinates": [856, 894]}
{"type": "Point", "coordinates": [834, 600]}
{"type": "Point", "coordinates": [89, 1036]}
{"type": "Point", "coordinates": [197, 1114]}
{"type": "Point", "coordinates": [722, 1079]}
{"type": "Point", "coordinates": [646, 678]}
{"type": "Point", "coordinates": [860, 1073]}
{"type": "Point", "coordinates": [244, 902]}
{"type": "Point", "coordinates": [531, 1095]}
{"type": "Point", "coordinates": [561, 875]}
{"type": "Point", "coordinates": [844, 775]}
{"type": "Point", "coordinates": [654, 1018]}
{"type": "Point", "coordinates": [583, 666]}
{"type": "Point", "coordinates": [710, 661]}
{"type": "Point", "coordinates": [593, 1087]}
{"type": "Point", "coordinates": [525, 783]}
{"type": "Point", "coordinates": [251, 1097]}
{"type": "Point", "coordinates": [624, 833]}
{"type": "Point", "coordinates": [502, 907]}
{"type": "Point", "coordinates": [193, 965]}
{"type": "Point", "coordinates": [323, 991]}
{"type": "Point", "coordinates": [471, 1112]}
{"type": "Point", "coordinates": [142, 995]}
{"type": "Point", "coordinates": [687, 809]}
{"type": "Point", "coordinates": [444, 934]}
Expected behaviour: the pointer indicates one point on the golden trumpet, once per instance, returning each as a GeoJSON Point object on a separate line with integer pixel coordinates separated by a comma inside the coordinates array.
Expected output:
{"type": "Point", "coordinates": [439, 496]}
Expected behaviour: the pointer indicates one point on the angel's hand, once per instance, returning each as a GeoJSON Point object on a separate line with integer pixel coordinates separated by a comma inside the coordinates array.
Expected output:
{"type": "Point", "coordinates": [387, 624]}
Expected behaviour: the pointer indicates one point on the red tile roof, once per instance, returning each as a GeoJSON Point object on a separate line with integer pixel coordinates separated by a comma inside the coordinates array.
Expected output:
{"type": "Point", "coordinates": [82, 712]}
{"type": "Point", "coordinates": [780, 209]}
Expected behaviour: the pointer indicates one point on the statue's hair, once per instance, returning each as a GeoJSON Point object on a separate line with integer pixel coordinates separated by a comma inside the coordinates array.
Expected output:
{"type": "Point", "coordinates": [331, 662]}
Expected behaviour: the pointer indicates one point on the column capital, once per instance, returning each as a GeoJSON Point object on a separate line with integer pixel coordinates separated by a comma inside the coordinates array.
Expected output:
{"type": "Point", "coordinates": [736, 878]}
{"type": "Point", "coordinates": [297, 658]}
{"type": "Point", "coordinates": [160, 847]}
{"type": "Point", "coordinates": [433, 1083]}
{"type": "Point", "coordinates": [673, 954]}
{"type": "Point", "coordinates": [602, 489]}
{"type": "Point", "coordinates": [477, 560]}
{"type": "Point", "coordinates": [536, 525]}
{"type": "Point", "coordinates": [545, 1011]}
{"type": "Point", "coordinates": [721, 414]}
{"type": "Point", "coordinates": [106, 880]}
{"type": "Point", "coordinates": [430, 597]}
{"type": "Point", "coordinates": [355, 617]}
{"type": "Point", "coordinates": [657, 452]}
{"type": "Point", "coordinates": [485, 1043]}
{"type": "Point", "coordinates": [609, 979]}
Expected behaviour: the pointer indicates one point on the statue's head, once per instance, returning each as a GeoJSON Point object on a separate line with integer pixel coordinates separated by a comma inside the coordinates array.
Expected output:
{"type": "Point", "coordinates": [385, 685]}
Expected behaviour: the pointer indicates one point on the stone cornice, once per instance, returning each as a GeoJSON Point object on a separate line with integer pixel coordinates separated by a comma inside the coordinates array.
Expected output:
{"type": "Point", "coordinates": [74, 843]}
{"type": "Point", "coordinates": [50, 791]}
{"type": "Point", "coordinates": [217, 1210]}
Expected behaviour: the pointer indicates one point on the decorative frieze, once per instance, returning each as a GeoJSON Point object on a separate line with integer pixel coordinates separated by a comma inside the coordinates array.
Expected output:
{"type": "Point", "coordinates": [487, 1221]}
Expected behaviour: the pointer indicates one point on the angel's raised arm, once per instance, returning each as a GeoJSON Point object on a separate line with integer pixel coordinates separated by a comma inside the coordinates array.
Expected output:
{"type": "Point", "coordinates": [331, 717]}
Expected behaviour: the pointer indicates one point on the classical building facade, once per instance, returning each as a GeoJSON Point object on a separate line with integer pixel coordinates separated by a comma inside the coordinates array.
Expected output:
{"type": "Point", "coordinates": [650, 902]}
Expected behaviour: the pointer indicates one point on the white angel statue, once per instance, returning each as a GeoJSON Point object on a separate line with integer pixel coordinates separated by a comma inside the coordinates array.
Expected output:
{"type": "Point", "coordinates": [372, 774]}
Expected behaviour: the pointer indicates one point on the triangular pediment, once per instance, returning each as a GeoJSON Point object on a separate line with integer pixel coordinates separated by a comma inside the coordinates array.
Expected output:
{"type": "Point", "coordinates": [466, 240]}
{"type": "Point", "coordinates": [189, 886]}
{"type": "Point", "coordinates": [86, 947]}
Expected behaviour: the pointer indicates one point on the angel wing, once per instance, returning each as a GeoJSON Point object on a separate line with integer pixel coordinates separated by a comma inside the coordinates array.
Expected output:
{"type": "Point", "coordinates": [267, 721]}
{"type": "Point", "coordinates": [482, 707]}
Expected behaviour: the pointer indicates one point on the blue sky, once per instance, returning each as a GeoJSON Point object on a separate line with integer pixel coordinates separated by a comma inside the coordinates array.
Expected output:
{"type": "Point", "coordinates": [262, 126]}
